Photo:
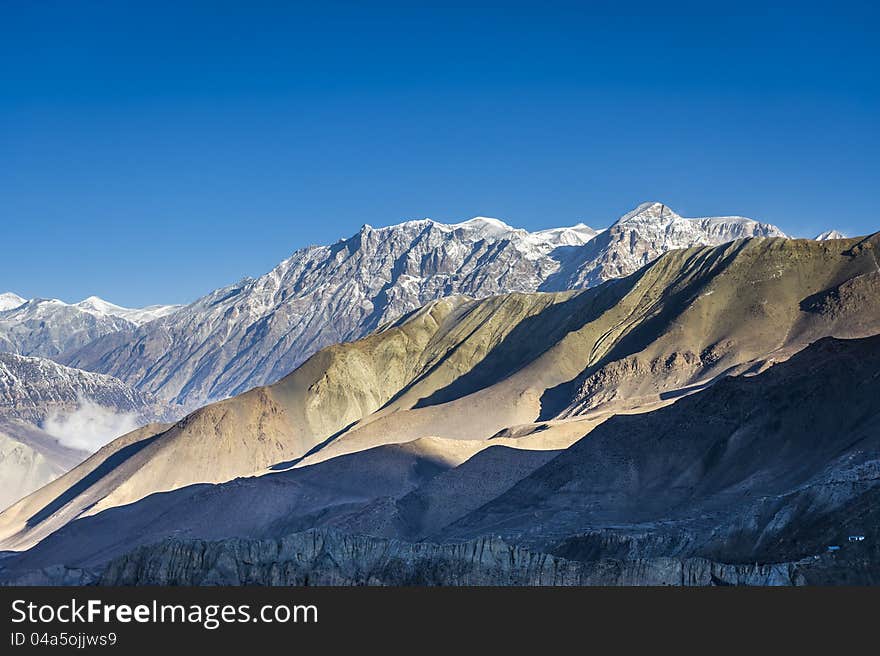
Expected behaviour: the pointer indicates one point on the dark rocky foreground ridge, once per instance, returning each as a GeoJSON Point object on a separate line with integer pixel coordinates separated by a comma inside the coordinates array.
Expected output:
{"type": "Point", "coordinates": [330, 558]}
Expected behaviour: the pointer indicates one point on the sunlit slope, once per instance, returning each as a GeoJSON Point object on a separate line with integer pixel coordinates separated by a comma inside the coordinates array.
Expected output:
{"type": "Point", "coordinates": [276, 424]}
{"type": "Point", "coordinates": [30, 519]}
{"type": "Point", "coordinates": [354, 490]}
{"type": "Point", "coordinates": [29, 459]}
{"type": "Point", "coordinates": [642, 341]}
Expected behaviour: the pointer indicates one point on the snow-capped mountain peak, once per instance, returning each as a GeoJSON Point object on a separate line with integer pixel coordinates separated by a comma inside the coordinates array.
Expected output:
{"type": "Point", "coordinates": [561, 233]}
{"type": "Point", "coordinates": [9, 301]}
{"type": "Point", "coordinates": [646, 232]}
{"type": "Point", "coordinates": [100, 306]}
{"type": "Point", "coordinates": [484, 226]}
{"type": "Point", "coordinates": [654, 214]}
{"type": "Point", "coordinates": [830, 234]}
{"type": "Point", "coordinates": [97, 305]}
{"type": "Point", "coordinates": [649, 212]}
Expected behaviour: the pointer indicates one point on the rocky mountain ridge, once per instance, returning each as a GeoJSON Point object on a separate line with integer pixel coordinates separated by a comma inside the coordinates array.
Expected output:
{"type": "Point", "coordinates": [47, 327]}
{"type": "Point", "coordinates": [258, 330]}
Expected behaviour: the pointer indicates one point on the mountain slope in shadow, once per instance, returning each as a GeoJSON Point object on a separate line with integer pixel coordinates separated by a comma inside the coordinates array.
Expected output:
{"type": "Point", "coordinates": [764, 468]}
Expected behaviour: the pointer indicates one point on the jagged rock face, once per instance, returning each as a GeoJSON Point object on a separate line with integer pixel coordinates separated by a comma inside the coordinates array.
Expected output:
{"type": "Point", "coordinates": [259, 330]}
{"type": "Point", "coordinates": [322, 558]}
{"type": "Point", "coordinates": [49, 327]}
{"type": "Point", "coordinates": [603, 386]}
{"type": "Point", "coordinates": [332, 559]}
{"type": "Point", "coordinates": [255, 332]}
{"type": "Point", "coordinates": [56, 575]}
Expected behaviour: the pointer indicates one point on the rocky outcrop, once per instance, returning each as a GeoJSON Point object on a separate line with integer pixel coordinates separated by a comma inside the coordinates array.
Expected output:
{"type": "Point", "coordinates": [328, 558]}
{"type": "Point", "coordinates": [56, 575]}
{"type": "Point", "coordinates": [675, 370]}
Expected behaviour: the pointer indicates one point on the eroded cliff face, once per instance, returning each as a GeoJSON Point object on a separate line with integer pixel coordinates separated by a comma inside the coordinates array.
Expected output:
{"type": "Point", "coordinates": [329, 558]}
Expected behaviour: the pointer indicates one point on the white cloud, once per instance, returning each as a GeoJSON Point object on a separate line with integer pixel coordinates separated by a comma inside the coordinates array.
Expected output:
{"type": "Point", "coordinates": [90, 426]}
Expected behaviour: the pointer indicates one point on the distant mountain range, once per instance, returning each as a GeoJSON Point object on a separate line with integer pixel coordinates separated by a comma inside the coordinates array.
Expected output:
{"type": "Point", "coordinates": [48, 327]}
{"type": "Point", "coordinates": [256, 331]}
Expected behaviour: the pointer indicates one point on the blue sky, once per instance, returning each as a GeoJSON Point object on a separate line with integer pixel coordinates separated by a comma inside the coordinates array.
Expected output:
{"type": "Point", "coordinates": [150, 152]}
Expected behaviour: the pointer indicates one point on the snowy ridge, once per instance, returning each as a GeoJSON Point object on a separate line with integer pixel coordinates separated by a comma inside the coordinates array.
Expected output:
{"type": "Point", "coordinates": [256, 331]}
{"type": "Point", "coordinates": [31, 387]}
{"type": "Point", "coordinates": [100, 307]}
{"type": "Point", "coordinates": [48, 327]}
{"type": "Point", "coordinates": [651, 229]}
